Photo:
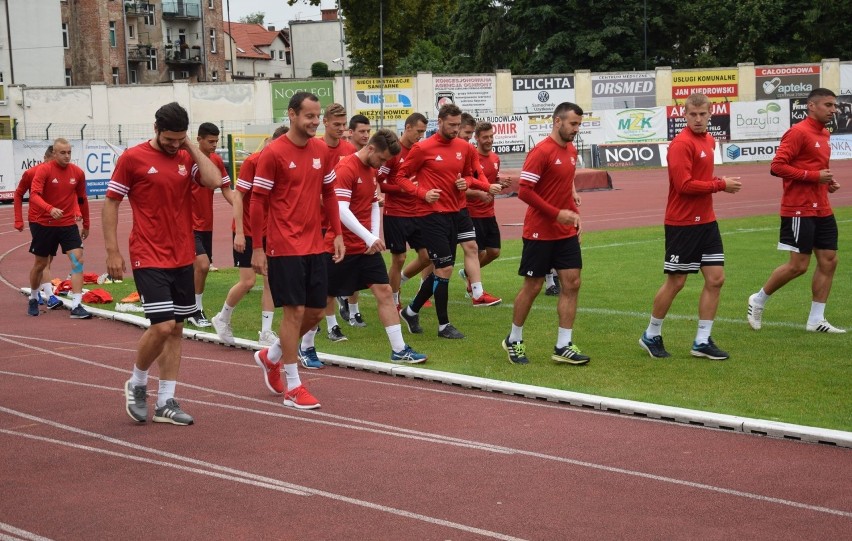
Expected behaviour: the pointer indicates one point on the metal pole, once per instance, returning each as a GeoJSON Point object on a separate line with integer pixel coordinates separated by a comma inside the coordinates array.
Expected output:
{"type": "Point", "coordinates": [645, 25]}
{"type": "Point", "coordinates": [230, 40]}
{"type": "Point", "coordinates": [342, 54]}
{"type": "Point", "coordinates": [381, 68]}
{"type": "Point", "coordinates": [81, 131]}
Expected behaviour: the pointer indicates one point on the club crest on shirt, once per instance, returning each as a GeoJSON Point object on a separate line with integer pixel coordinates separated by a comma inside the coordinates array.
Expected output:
{"type": "Point", "coordinates": [317, 164]}
{"type": "Point", "coordinates": [573, 160]}
{"type": "Point", "coordinates": [73, 180]}
{"type": "Point", "coordinates": [182, 170]}
{"type": "Point", "coordinates": [458, 155]}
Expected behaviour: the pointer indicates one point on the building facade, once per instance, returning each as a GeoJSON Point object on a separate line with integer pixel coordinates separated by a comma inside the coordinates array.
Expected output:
{"type": "Point", "coordinates": [318, 41]}
{"type": "Point", "coordinates": [259, 52]}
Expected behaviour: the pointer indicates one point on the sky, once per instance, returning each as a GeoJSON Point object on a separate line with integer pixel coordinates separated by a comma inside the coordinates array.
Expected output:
{"type": "Point", "coordinates": [278, 13]}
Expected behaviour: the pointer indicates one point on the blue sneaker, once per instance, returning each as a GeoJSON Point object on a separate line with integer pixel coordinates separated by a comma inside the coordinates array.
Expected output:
{"type": "Point", "coordinates": [309, 359]}
{"type": "Point", "coordinates": [32, 308]}
{"type": "Point", "coordinates": [408, 356]}
{"type": "Point", "coordinates": [53, 302]}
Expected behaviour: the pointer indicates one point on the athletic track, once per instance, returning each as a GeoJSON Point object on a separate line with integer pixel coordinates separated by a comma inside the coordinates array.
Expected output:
{"type": "Point", "coordinates": [385, 458]}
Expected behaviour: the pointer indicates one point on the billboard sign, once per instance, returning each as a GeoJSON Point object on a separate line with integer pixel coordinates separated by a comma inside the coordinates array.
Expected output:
{"type": "Point", "coordinates": [785, 81]}
{"type": "Point", "coordinates": [718, 85]}
{"type": "Point", "coordinates": [531, 94]}
{"type": "Point", "coordinates": [282, 92]}
{"type": "Point", "coordinates": [473, 94]}
{"type": "Point", "coordinates": [624, 90]}
{"type": "Point", "coordinates": [397, 94]}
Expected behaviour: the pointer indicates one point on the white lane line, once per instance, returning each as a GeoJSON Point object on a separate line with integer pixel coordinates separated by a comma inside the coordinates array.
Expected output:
{"type": "Point", "coordinates": [22, 534]}
{"type": "Point", "coordinates": [459, 442]}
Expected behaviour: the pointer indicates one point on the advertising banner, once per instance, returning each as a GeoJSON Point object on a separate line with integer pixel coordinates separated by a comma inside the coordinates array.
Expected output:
{"type": "Point", "coordinates": [759, 119]}
{"type": "Point", "coordinates": [8, 178]}
{"type": "Point", "coordinates": [841, 147]}
{"type": "Point", "coordinates": [628, 155]}
{"type": "Point", "coordinates": [473, 94]}
{"type": "Point", "coordinates": [398, 97]}
{"type": "Point", "coordinates": [635, 125]}
{"type": "Point", "coordinates": [718, 85]}
{"type": "Point", "coordinates": [537, 128]}
{"type": "Point", "coordinates": [509, 133]}
{"type": "Point", "coordinates": [624, 90]}
{"type": "Point", "coordinates": [531, 94]}
{"type": "Point", "coordinates": [785, 81]}
{"type": "Point", "coordinates": [749, 151]}
{"type": "Point", "coordinates": [719, 126]}
{"type": "Point", "coordinates": [591, 131]}
{"type": "Point", "coordinates": [282, 92]}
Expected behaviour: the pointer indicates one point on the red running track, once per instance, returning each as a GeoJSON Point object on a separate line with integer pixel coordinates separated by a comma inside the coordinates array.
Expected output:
{"type": "Point", "coordinates": [385, 458]}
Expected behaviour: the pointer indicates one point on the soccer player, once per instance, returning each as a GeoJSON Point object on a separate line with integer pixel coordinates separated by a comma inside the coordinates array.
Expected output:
{"type": "Point", "coordinates": [202, 218]}
{"type": "Point", "coordinates": [157, 178]}
{"type": "Point", "coordinates": [363, 266]}
{"type": "Point", "coordinates": [242, 258]}
{"type": "Point", "coordinates": [446, 163]}
{"type": "Point", "coordinates": [550, 235]}
{"type": "Point", "coordinates": [693, 241]}
{"type": "Point", "coordinates": [807, 220]}
{"type": "Point", "coordinates": [359, 128]}
{"type": "Point", "coordinates": [293, 183]}
{"type": "Point", "coordinates": [57, 200]}
{"type": "Point", "coordinates": [24, 185]}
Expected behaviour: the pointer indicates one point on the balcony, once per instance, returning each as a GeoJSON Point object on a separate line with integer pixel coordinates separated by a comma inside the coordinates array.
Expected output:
{"type": "Point", "coordinates": [188, 56]}
{"type": "Point", "coordinates": [137, 54]}
{"type": "Point", "coordinates": [188, 11]}
{"type": "Point", "coordinates": [136, 9]}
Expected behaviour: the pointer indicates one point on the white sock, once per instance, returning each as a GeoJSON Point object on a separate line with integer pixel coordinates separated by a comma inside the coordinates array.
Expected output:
{"type": "Point", "coordinates": [353, 309]}
{"type": "Point", "coordinates": [266, 321]}
{"type": "Point", "coordinates": [396, 297]}
{"type": "Point", "coordinates": [409, 312]}
{"type": "Point", "coordinates": [198, 304]}
{"type": "Point", "coordinates": [139, 377]}
{"type": "Point", "coordinates": [76, 299]}
{"type": "Point", "coordinates": [563, 339]}
{"type": "Point", "coordinates": [403, 278]}
{"type": "Point", "coordinates": [705, 326]}
{"type": "Point", "coordinates": [34, 294]}
{"type": "Point", "coordinates": [655, 327]}
{"type": "Point", "coordinates": [395, 336]}
{"type": "Point", "coordinates": [760, 298]}
{"type": "Point", "coordinates": [291, 372]}
{"type": "Point", "coordinates": [442, 327]}
{"type": "Point", "coordinates": [517, 333]}
{"type": "Point", "coordinates": [476, 289]}
{"type": "Point", "coordinates": [165, 392]}
{"type": "Point", "coordinates": [274, 353]}
{"type": "Point", "coordinates": [331, 321]}
{"type": "Point", "coordinates": [225, 314]}
{"type": "Point", "coordinates": [548, 280]}
{"type": "Point", "coordinates": [308, 339]}
{"type": "Point", "coordinates": [817, 313]}
{"type": "Point", "coordinates": [47, 289]}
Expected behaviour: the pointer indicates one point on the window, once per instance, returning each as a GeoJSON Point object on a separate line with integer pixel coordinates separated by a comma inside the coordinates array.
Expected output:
{"type": "Point", "coordinates": [131, 31]}
{"type": "Point", "coordinates": [133, 79]}
{"type": "Point", "coordinates": [152, 59]}
{"type": "Point", "coordinates": [281, 54]}
{"type": "Point", "coordinates": [272, 54]}
{"type": "Point", "coordinates": [277, 75]}
{"type": "Point", "coordinates": [227, 65]}
{"type": "Point", "coordinates": [241, 73]}
{"type": "Point", "coordinates": [214, 76]}
{"type": "Point", "coordinates": [149, 14]}
{"type": "Point", "coordinates": [261, 74]}
{"type": "Point", "coordinates": [112, 33]}
{"type": "Point", "coordinates": [115, 76]}
{"type": "Point", "coordinates": [288, 57]}
{"type": "Point", "coordinates": [68, 79]}
{"type": "Point", "coordinates": [1, 76]}
{"type": "Point", "coordinates": [65, 35]}
{"type": "Point", "coordinates": [210, 4]}
{"type": "Point", "coordinates": [212, 40]}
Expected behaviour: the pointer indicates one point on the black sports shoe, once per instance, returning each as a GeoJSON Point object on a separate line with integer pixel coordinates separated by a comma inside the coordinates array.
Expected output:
{"type": "Point", "coordinates": [517, 351]}
{"type": "Point", "coordinates": [654, 346]}
{"type": "Point", "coordinates": [412, 322]}
{"type": "Point", "coordinates": [32, 307]}
{"type": "Point", "coordinates": [357, 321]}
{"type": "Point", "coordinates": [552, 291]}
{"type": "Point", "coordinates": [136, 401]}
{"type": "Point", "coordinates": [343, 304]}
{"type": "Point", "coordinates": [709, 351]}
{"type": "Point", "coordinates": [450, 332]}
{"type": "Point", "coordinates": [80, 313]}
{"type": "Point", "coordinates": [569, 354]}
{"type": "Point", "coordinates": [336, 335]}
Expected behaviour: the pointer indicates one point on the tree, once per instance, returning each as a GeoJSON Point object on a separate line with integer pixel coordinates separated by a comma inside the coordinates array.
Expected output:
{"type": "Point", "coordinates": [254, 18]}
{"type": "Point", "coordinates": [424, 56]}
{"type": "Point", "coordinates": [320, 69]}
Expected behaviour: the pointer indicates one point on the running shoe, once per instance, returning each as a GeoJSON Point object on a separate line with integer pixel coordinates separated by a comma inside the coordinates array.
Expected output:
{"type": "Point", "coordinates": [709, 351]}
{"type": "Point", "coordinates": [32, 307]}
{"type": "Point", "coordinates": [408, 356]}
{"type": "Point", "coordinates": [336, 335]}
{"type": "Point", "coordinates": [223, 329]}
{"type": "Point", "coordinates": [755, 313]}
{"type": "Point", "coordinates": [824, 326]}
{"type": "Point", "coordinates": [517, 351]}
{"type": "Point", "coordinates": [53, 302]}
{"type": "Point", "coordinates": [80, 313]}
{"type": "Point", "coordinates": [271, 371]}
{"type": "Point", "coordinates": [309, 359]}
{"type": "Point", "coordinates": [343, 308]}
{"type": "Point", "coordinates": [136, 401]}
{"type": "Point", "coordinates": [412, 322]}
{"type": "Point", "coordinates": [300, 398]}
{"type": "Point", "coordinates": [198, 319]}
{"type": "Point", "coordinates": [569, 354]}
{"type": "Point", "coordinates": [357, 320]}
{"type": "Point", "coordinates": [486, 299]}
{"type": "Point", "coordinates": [450, 332]}
{"type": "Point", "coordinates": [552, 291]}
{"type": "Point", "coordinates": [266, 338]}
{"type": "Point", "coordinates": [170, 412]}
{"type": "Point", "coordinates": [654, 346]}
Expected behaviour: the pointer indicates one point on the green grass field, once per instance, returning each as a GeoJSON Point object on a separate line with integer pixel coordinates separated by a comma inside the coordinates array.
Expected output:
{"type": "Point", "coordinates": [781, 373]}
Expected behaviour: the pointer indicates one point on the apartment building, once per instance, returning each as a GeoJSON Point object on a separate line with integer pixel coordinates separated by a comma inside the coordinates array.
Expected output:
{"type": "Point", "coordinates": [259, 52]}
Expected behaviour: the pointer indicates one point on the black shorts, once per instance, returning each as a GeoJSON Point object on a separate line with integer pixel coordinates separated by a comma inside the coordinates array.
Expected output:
{"type": "Point", "coordinates": [354, 273]}
{"type": "Point", "coordinates": [298, 280]}
{"type": "Point", "coordinates": [464, 226]}
{"type": "Point", "coordinates": [400, 230]}
{"type": "Point", "coordinates": [243, 260]}
{"type": "Point", "coordinates": [690, 247]}
{"type": "Point", "coordinates": [439, 238]}
{"type": "Point", "coordinates": [204, 243]}
{"type": "Point", "coordinates": [47, 238]}
{"type": "Point", "coordinates": [803, 234]}
{"type": "Point", "coordinates": [539, 256]}
{"type": "Point", "coordinates": [487, 232]}
{"type": "Point", "coordinates": [167, 294]}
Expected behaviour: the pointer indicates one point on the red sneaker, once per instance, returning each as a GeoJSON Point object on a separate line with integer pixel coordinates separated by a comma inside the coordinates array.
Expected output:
{"type": "Point", "coordinates": [486, 300]}
{"type": "Point", "coordinates": [271, 371]}
{"type": "Point", "coordinates": [427, 304]}
{"type": "Point", "coordinates": [300, 398]}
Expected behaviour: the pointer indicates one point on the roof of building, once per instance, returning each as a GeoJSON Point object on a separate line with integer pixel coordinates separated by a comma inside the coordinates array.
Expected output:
{"type": "Point", "coordinates": [248, 39]}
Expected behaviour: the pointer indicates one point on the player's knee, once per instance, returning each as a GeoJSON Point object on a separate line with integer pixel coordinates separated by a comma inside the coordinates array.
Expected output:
{"type": "Point", "coordinates": [76, 263]}
{"type": "Point", "coordinates": [715, 282]}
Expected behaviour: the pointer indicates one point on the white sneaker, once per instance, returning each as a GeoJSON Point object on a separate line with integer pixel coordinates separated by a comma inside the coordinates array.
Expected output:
{"type": "Point", "coordinates": [824, 326]}
{"type": "Point", "coordinates": [755, 313]}
{"type": "Point", "coordinates": [267, 338]}
{"type": "Point", "coordinates": [223, 329]}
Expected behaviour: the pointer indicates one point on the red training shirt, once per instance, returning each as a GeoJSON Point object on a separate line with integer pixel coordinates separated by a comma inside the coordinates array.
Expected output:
{"type": "Point", "coordinates": [547, 186]}
{"type": "Point", "coordinates": [20, 191]}
{"type": "Point", "coordinates": [489, 166]}
{"type": "Point", "coordinates": [202, 197]}
{"type": "Point", "coordinates": [355, 183]}
{"type": "Point", "coordinates": [245, 183]}
{"type": "Point", "coordinates": [60, 187]}
{"type": "Point", "coordinates": [803, 153]}
{"type": "Point", "coordinates": [691, 180]}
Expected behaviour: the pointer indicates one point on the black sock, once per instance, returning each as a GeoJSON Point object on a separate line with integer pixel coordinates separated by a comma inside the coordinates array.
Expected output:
{"type": "Point", "coordinates": [423, 294]}
{"type": "Point", "coordinates": [442, 297]}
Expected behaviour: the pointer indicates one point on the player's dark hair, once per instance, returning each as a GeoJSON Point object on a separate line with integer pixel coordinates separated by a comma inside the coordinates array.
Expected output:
{"type": "Point", "coordinates": [208, 128]}
{"type": "Point", "coordinates": [563, 108]}
{"type": "Point", "coordinates": [385, 139]}
{"type": "Point", "coordinates": [49, 151]}
{"type": "Point", "coordinates": [481, 127]}
{"type": "Point", "coordinates": [467, 119]}
{"type": "Point", "coordinates": [171, 117]}
{"type": "Point", "coordinates": [334, 110]}
{"type": "Point", "coordinates": [279, 131]}
{"type": "Point", "coordinates": [414, 118]}
{"type": "Point", "coordinates": [358, 119]}
{"type": "Point", "coordinates": [449, 109]}
{"type": "Point", "coordinates": [817, 93]}
{"type": "Point", "coordinates": [298, 99]}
